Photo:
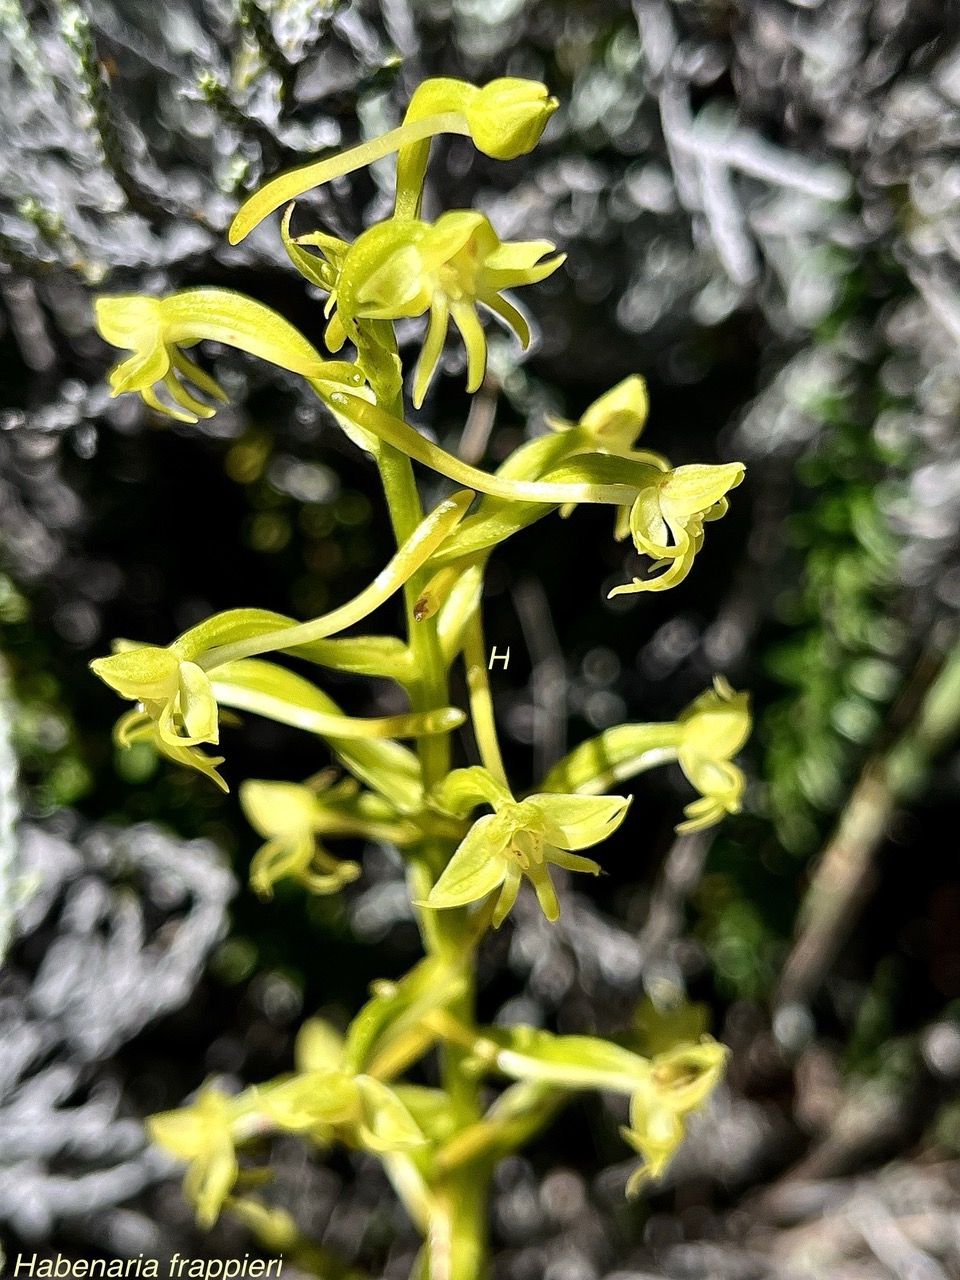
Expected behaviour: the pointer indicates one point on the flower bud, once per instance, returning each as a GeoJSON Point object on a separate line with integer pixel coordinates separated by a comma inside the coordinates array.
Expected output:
{"type": "Point", "coordinates": [618, 417]}
{"type": "Point", "coordinates": [508, 115]}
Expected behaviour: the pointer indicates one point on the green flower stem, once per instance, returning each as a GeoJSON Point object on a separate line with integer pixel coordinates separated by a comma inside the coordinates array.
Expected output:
{"type": "Point", "coordinates": [414, 551]}
{"type": "Point", "coordinates": [481, 703]}
{"type": "Point", "coordinates": [449, 1028]}
{"type": "Point", "coordinates": [403, 501]}
{"type": "Point", "coordinates": [456, 1234]}
{"type": "Point", "coordinates": [336, 824]}
{"type": "Point", "coordinates": [434, 931]}
{"type": "Point", "coordinates": [401, 1054]}
{"type": "Point", "coordinates": [458, 1224]}
{"type": "Point", "coordinates": [392, 430]}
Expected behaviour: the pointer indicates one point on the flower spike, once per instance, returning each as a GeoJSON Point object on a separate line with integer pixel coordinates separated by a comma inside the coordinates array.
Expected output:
{"type": "Point", "coordinates": [437, 1142]}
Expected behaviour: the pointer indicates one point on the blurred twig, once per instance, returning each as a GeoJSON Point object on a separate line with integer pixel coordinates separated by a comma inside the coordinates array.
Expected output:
{"type": "Point", "coordinates": [548, 677]}
{"type": "Point", "coordinates": [480, 420]}
{"type": "Point", "coordinates": [664, 923]}
{"type": "Point", "coordinates": [842, 880]}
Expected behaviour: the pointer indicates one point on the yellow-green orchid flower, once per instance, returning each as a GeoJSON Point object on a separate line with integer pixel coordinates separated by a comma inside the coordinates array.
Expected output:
{"type": "Point", "coordinates": [177, 707]}
{"type": "Point", "coordinates": [327, 1104]}
{"type": "Point", "coordinates": [678, 1082]}
{"type": "Point", "coordinates": [713, 728]}
{"type": "Point", "coordinates": [176, 704]}
{"type": "Point", "coordinates": [703, 739]}
{"type": "Point", "coordinates": [295, 817]}
{"type": "Point", "coordinates": [504, 119]}
{"type": "Point", "coordinates": [568, 453]}
{"type": "Point", "coordinates": [403, 268]}
{"type": "Point", "coordinates": [328, 1099]}
{"type": "Point", "coordinates": [176, 695]}
{"type": "Point", "coordinates": [663, 1091]}
{"type": "Point", "coordinates": [666, 520]}
{"type": "Point", "coordinates": [520, 838]}
{"type": "Point", "coordinates": [325, 1100]}
{"type": "Point", "coordinates": [203, 1134]}
{"type": "Point", "coordinates": [290, 816]}
{"type": "Point", "coordinates": [155, 330]}
{"type": "Point", "coordinates": [664, 508]}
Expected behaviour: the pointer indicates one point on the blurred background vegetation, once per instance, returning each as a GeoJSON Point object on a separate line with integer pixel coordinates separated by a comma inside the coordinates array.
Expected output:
{"type": "Point", "coordinates": [760, 203]}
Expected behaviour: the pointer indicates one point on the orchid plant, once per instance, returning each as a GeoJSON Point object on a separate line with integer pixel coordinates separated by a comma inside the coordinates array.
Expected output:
{"type": "Point", "coordinates": [469, 840]}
